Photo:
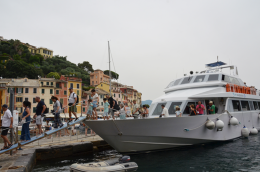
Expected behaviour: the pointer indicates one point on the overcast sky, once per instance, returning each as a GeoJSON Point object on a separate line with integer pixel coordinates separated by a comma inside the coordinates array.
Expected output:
{"type": "Point", "coordinates": [152, 42]}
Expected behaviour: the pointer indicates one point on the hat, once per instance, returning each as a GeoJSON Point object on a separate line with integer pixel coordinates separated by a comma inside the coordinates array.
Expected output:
{"type": "Point", "coordinates": [70, 88]}
{"type": "Point", "coordinates": [4, 106]}
{"type": "Point", "coordinates": [177, 107]}
{"type": "Point", "coordinates": [163, 105]}
{"type": "Point", "coordinates": [211, 102]}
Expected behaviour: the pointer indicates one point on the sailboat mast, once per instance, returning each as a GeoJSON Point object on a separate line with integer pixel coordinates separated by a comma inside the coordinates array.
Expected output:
{"type": "Point", "coordinates": [109, 69]}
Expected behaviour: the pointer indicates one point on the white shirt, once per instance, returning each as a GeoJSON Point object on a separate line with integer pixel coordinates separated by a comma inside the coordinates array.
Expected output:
{"type": "Point", "coordinates": [165, 112]}
{"type": "Point", "coordinates": [72, 97]}
{"type": "Point", "coordinates": [134, 109]}
{"type": "Point", "coordinates": [6, 120]}
{"type": "Point", "coordinates": [95, 98]}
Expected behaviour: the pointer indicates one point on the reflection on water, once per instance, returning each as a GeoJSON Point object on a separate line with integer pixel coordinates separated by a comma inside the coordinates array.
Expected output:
{"type": "Point", "coordinates": [239, 155]}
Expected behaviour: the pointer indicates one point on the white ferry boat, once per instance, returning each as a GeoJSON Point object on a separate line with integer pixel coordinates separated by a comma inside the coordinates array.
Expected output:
{"type": "Point", "coordinates": [238, 107]}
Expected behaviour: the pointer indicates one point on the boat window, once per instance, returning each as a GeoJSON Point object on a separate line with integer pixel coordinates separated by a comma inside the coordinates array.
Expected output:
{"type": "Point", "coordinates": [258, 103]}
{"type": "Point", "coordinates": [187, 108]}
{"type": "Point", "coordinates": [234, 80]}
{"type": "Point", "coordinates": [173, 106]}
{"type": "Point", "coordinates": [199, 78]}
{"type": "Point", "coordinates": [226, 78]}
{"type": "Point", "coordinates": [245, 105]}
{"type": "Point", "coordinates": [158, 109]}
{"type": "Point", "coordinates": [177, 82]}
{"type": "Point", "coordinates": [256, 107]}
{"type": "Point", "coordinates": [171, 84]}
{"type": "Point", "coordinates": [187, 80]}
{"type": "Point", "coordinates": [213, 77]}
{"type": "Point", "coordinates": [236, 105]}
{"type": "Point", "coordinates": [251, 105]}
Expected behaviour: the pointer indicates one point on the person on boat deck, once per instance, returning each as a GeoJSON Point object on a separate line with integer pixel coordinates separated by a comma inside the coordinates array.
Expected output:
{"type": "Point", "coordinates": [113, 106]}
{"type": "Point", "coordinates": [211, 108]}
{"type": "Point", "coordinates": [145, 112]}
{"type": "Point", "coordinates": [105, 113]}
{"type": "Point", "coordinates": [165, 112]}
{"type": "Point", "coordinates": [178, 111]}
{"type": "Point", "coordinates": [200, 108]}
{"type": "Point", "coordinates": [135, 110]}
{"type": "Point", "coordinates": [192, 110]}
{"type": "Point", "coordinates": [7, 123]}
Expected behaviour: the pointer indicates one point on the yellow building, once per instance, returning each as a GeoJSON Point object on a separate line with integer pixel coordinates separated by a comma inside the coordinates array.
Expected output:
{"type": "Point", "coordinates": [45, 52]}
{"type": "Point", "coordinates": [103, 86]}
{"type": "Point", "coordinates": [76, 84]}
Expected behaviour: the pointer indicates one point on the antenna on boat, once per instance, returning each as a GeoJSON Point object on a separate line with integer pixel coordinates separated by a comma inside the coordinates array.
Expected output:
{"type": "Point", "coordinates": [109, 69]}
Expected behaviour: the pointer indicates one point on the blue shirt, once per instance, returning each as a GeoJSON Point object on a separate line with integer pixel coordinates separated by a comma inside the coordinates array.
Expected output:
{"type": "Point", "coordinates": [106, 104]}
{"type": "Point", "coordinates": [90, 106]}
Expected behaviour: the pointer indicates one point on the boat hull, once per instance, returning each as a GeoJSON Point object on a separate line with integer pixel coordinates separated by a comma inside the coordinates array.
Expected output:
{"type": "Point", "coordinates": [150, 134]}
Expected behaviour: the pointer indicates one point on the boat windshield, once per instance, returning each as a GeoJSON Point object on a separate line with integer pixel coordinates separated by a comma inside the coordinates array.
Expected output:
{"type": "Point", "coordinates": [158, 109]}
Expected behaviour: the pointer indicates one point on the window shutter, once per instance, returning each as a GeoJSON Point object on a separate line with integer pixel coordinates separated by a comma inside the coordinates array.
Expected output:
{"type": "Point", "coordinates": [22, 99]}
{"type": "Point", "coordinates": [22, 90]}
{"type": "Point", "coordinates": [16, 90]}
{"type": "Point", "coordinates": [8, 90]}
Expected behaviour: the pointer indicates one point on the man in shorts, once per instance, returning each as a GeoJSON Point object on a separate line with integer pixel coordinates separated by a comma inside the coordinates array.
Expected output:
{"type": "Point", "coordinates": [7, 123]}
{"type": "Point", "coordinates": [72, 104]}
{"type": "Point", "coordinates": [135, 110]}
{"type": "Point", "coordinates": [40, 108]}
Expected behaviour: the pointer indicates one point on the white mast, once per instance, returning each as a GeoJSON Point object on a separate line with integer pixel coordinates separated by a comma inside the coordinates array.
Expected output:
{"type": "Point", "coordinates": [109, 69]}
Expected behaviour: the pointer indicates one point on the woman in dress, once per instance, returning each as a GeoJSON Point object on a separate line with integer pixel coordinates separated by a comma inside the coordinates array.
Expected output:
{"type": "Point", "coordinates": [25, 135]}
{"type": "Point", "coordinates": [122, 111]}
{"type": "Point", "coordinates": [95, 100]}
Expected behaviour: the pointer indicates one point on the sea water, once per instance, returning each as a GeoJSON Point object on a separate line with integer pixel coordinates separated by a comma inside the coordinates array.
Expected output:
{"type": "Point", "coordinates": [237, 155]}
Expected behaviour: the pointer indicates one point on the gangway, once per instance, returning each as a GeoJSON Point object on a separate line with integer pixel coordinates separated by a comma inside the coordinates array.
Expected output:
{"type": "Point", "coordinates": [47, 133]}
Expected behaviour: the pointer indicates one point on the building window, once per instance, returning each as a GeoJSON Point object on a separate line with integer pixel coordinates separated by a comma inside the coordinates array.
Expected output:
{"type": "Point", "coordinates": [43, 91]}
{"type": "Point", "coordinates": [96, 76]}
{"type": "Point", "coordinates": [51, 101]}
{"type": "Point", "coordinates": [20, 90]}
{"type": "Point", "coordinates": [101, 96]}
{"type": "Point", "coordinates": [77, 86]}
{"type": "Point", "coordinates": [42, 100]}
{"type": "Point", "coordinates": [92, 82]}
{"type": "Point", "coordinates": [34, 90]}
{"type": "Point", "coordinates": [51, 83]}
{"type": "Point", "coordinates": [57, 91]}
{"type": "Point", "coordinates": [48, 83]}
{"type": "Point", "coordinates": [114, 95]}
{"type": "Point", "coordinates": [65, 85]}
{"type": "Point", "coordinates": [71, 85]}
{"type": "Point", "coordinates": [119, 95]}
{"type": "Point", "coordinates": [51, 91]}
{"type": "Point", "coordinates": [19, 99]}
{"type": "Point", "coordinates": [65, 92]}
{"type": "Point", "coordinates": [61, 101]}
{"type": "Point", "coordinates": [101, 103]}
{"type": "Point", "coordinates": [42, 83]}
{"type": "Point", "coordinates": [77, 92]}
{"type": "Point", "coordinates": [34, 100]}
{"type": "Point", "coordinates": [26, 90]}
{"type": "Point", "coordinates": [26, 99]}
{"type": "Point", "coordinates": [84, 110]}
{"type": "Point", "coordinates": [101, 85]}
{"type": "Point", "coordinates": [96, 82]}
{"type": "Point", "coordinates": [34, 110]}
{"type": "Point", "coordinates": [57, 85]}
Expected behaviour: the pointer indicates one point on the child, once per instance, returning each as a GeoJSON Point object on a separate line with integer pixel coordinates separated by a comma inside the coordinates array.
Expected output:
{"type": "Point", "coordinates": [177, 111]}
{"type": "Point", "coordinates": [106, 104]}
{"type": "Point", "coordinates": [90, 108]}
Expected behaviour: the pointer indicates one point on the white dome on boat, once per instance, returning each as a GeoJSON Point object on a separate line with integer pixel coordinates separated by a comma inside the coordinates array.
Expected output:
{"type": "Point", "coordinates": [245, 132]}
{"type": "Point", "coordinates": [210, 125]}
{"type": "Point", "coordinates": [233, 121]}
{"type": "Point", "coordinates": [219, 125]}
{"type": "Point", "coordinates": [254, 131]}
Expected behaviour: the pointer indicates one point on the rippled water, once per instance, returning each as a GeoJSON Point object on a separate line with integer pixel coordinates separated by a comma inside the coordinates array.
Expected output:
{"type": "Point", "coordinates": [239, 155]}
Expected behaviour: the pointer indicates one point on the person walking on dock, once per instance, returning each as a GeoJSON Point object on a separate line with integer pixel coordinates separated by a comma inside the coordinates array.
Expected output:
{"type": "Point", "coordinates": [7, 123]}
{"type": "Point", "coordinates": [56, 111]}
{"type": "Point", "coordinates": [72, 104]}
{"type": "Point", "coordinates": [40, 108]}
{"type": "Point", "coordinates": [95, 99]}
{"type": "Point", "coordinates": [135, 110]}
{"type": "Point", "coordinates": [25, 134]}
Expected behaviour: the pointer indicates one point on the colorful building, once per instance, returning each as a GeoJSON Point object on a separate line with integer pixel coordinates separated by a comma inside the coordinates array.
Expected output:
{"type": "Point", "coordinates": [3, 92]}
{"type": "Point", "coordinates": [103, 86]}
{"type": "Point", "coordinates": [61, 92]}
{"type": "Point", "coordinates": [98, 77]}
{"type": "Point", "coordinates": [24, 89]}
{"type": "Point", "coordinates": [45, 52]}
{"type": "Point", "coordinates": [76, 84]}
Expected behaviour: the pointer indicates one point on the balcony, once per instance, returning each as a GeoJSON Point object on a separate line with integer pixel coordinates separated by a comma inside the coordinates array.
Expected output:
{"type": "Point", "coordinates": [19, 95]}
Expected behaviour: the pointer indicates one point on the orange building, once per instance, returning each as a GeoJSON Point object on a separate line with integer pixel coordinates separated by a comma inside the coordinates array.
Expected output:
{"type": "Point", "coordinates": [97, 77]}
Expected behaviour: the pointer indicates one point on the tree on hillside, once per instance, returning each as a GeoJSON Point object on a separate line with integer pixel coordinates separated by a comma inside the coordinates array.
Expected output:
{"type": "Point", "coordinates": [15, 68]}
{"type": "Point", "coordinates": [53, 74]}
{"type": "Point", "coordinates": [86, 66]}
{"type": "Point", "coordinates": [114, 75]}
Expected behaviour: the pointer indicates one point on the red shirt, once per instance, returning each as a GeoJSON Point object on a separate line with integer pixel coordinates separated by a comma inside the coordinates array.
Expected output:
{"type": "Point", "coordinates": [200, 109]}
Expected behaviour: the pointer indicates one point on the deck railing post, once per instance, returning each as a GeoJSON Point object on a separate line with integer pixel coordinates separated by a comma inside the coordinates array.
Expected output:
{"type": "Point", "coordinates": [11, 108]}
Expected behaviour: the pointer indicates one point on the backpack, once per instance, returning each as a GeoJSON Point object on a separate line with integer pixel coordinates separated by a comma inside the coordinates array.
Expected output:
{"type": "Point", "coordinates": [46, 110]}
{"type": "Point", "coordinates": [77, 98]}
{"type": "Point", "coordinates": [216, 109]}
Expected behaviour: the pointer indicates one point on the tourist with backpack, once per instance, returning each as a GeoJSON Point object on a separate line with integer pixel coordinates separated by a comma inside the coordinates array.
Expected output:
{"type": "Point", "coordinates": [73, 100]}
{"type": "Point", "coordinates": [192, 110]}
{"type": "Point", "coordinates": [40, 111]}
{"type": "Point", "coordinates": [56, 112]}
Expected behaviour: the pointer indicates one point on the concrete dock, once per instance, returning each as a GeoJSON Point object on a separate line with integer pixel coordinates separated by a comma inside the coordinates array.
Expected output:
{"type": "Point", "coordinates": [49, 148]}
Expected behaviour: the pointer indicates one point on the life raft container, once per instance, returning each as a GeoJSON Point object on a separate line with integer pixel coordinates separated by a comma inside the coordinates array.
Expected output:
{"type": "Point", "coordinates": [240, 89]}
